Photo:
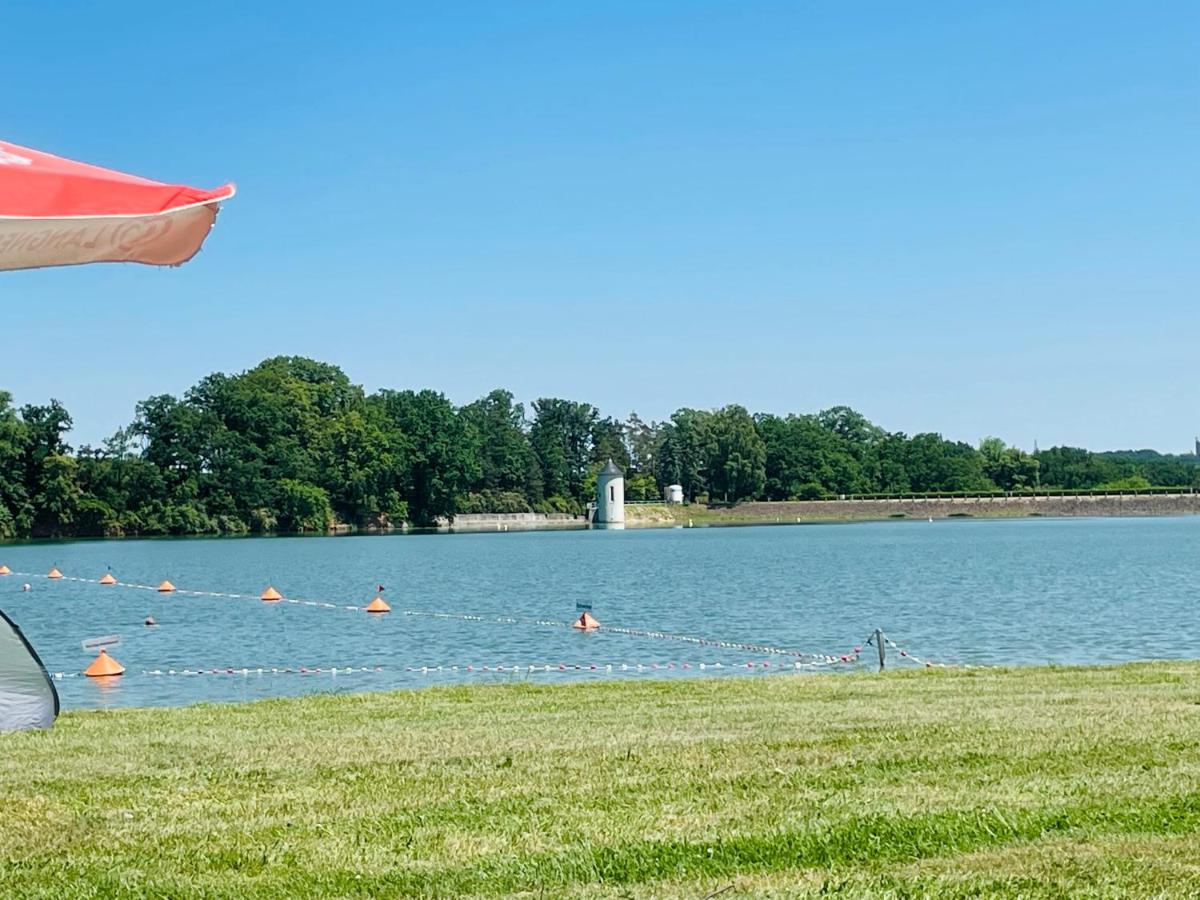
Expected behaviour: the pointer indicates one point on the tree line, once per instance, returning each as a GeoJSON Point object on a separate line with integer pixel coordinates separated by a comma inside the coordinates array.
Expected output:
{"type": "Point", "coordinates": [293, 446]}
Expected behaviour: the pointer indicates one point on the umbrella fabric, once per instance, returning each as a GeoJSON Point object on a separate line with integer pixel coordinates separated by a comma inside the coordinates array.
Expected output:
{"type": "Point", "coordinates": [57, 212]}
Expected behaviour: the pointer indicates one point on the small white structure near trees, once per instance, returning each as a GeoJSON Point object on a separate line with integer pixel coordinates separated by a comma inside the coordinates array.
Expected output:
{"type": "Point", "coordinates": [610, 495]}
{"type": "Point", "coordinates": [673, 493]}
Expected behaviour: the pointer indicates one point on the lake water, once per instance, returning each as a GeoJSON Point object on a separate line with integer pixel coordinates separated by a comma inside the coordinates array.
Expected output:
{"type": "Point", "coordinates": [980, 592]}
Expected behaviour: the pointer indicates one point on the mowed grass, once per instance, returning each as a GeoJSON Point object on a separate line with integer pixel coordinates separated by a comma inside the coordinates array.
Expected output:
{"type": "Point", "coordinates": [1023, 783]}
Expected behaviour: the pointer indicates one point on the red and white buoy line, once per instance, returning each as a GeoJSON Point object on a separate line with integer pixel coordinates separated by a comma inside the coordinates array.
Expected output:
{"type": "Point", "coordinates": [927, 663]}
{"type": "Point", "coordinates": [823, 658]}
{"type": "Point", "coordinates": [905, 654]}
{"type": "Point", "coordinates": [223, 595]}
{"type": "Point", "coordinates": [243, 670]}
{"type": "Point", "coordinates": [476, 669]}
{"type": "Point", "coordinates": [820, 658]}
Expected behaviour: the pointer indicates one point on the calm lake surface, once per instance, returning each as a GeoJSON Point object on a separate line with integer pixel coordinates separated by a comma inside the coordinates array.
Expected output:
{"type": "Point", "coordinates": [988, 592]}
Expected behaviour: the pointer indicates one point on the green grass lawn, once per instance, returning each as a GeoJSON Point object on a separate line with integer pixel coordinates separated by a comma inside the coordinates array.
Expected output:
{"type": "Point", "coordinates": [1026, 782]}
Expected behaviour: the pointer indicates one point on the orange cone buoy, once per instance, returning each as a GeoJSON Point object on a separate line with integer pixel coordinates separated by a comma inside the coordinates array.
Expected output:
{"type": "Point", "coordinates": [103, 665]}
{"type": "Point", "coordinates": [378, 605]}
{"type": "Point", "coordinates": [5, 570]}
{"type": "Point", "coordinates": [586, 622]}
{"type": "Point", "coordinates": [165, 588]}
{"type": "Point", "coordinates": [270, 595]}
{"type": "Point", "coordinates": [54, 573]}
{"type": "Point", "coordinates": [107, 578]}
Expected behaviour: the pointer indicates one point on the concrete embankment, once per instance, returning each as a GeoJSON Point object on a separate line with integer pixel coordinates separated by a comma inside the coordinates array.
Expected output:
{"type": "Point", "coordinates": [918, 508]}
{"type": "Point", "coordinates": [512, 521]}
{"type": "Point", "coordinates": [648, 515]}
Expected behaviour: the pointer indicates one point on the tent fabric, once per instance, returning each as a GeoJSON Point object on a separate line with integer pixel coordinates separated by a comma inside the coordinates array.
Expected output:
{"type": "Point", "coordinates": [27, 695]}
{"type": "Point", "coordinates": [57, 212]}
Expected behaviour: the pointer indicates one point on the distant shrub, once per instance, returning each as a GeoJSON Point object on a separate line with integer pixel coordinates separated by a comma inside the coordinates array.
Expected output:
{"type": "Point", "coordinates": [1132, 483]}
{"type": "Point", "coordinates": [811, 490]}
{"type": "Point", "coordinates": [557, 504]}
{"type": "Point", "coordinates": [641, 487]}
{"type": "Point", "coordinates": [95, 518]}
{"type": "Point", "coordinates": [186, 518]}
{"type": "Point", "coordinates": [231, 525]}
{"type": "Point", "coordinates": [262, 521]}
{"type": "Point", "coordinates": [491, 501]}
{"type": "Point", "coordinates": [303, 507]}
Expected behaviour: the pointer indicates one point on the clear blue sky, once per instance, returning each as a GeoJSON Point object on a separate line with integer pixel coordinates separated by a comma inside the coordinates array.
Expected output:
{"type": "Point", "coordinates": [960, 217]}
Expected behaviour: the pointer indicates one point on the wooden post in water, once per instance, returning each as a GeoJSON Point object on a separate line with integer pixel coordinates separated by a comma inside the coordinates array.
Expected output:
{"type": "Point", "coordinates": [879, 647]}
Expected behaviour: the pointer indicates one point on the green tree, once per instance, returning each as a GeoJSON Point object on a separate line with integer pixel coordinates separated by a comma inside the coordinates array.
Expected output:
{"type": "Point", "coordinates": [684, 450]}
{"type": "Point", "coordinates": [801, 453]}
{"type": "Point", "coordinates": [1073, 468]}
{"type": "Point", "coordinates": [49, 469]}
{"type": "Point", "coordinates": [562, 437]}
{"type": "Point", "coordinates": [641, 442]}
{"type": "Point", "coordinates": [438, 461]}
{"type": "Point", "coordinates": [736, 462]}
{"type": "Point", "coordinates": [16, 512]}
{"type": "Point", "coordinates": [935, 464]}
{"type": "Point", "coordinates": [1008, 468]}
{"type": "Point", "coordinates": [495, 428]}
{"type": "Point", "coordinates": [303, 507]}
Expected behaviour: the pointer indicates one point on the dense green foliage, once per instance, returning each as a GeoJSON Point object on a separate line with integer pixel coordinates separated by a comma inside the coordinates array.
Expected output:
{"type": "Point", "coordinates": [1025, 783]}
{"type": "Point", "coordinates": [292, 445]}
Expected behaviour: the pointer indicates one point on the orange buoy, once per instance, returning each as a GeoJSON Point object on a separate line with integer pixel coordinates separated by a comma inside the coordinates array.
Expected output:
{"type": "Point", "coordinates": [5, 570]}
{"type": "Point", "coordinates": [270, 595]}
{"type": "Point", "coordinates": [54, 573]}
{"type": "Point", "coordinates": [103, 665]}
{"type": "Point", "coordinates": [165, 588]}
{"type": "Point", "coordinates": [586, 622]}
{"type": "Point", "coordinates": [107, 578]}
{"type": "Point", "coordinates": [378, 605]}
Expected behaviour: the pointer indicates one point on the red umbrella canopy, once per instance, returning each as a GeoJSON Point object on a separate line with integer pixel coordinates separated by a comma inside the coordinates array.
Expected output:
{"type": "Point", "coordinates": [58, 212]}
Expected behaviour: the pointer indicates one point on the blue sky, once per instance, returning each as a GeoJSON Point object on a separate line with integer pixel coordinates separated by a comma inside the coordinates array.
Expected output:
{"type": "Point", "coordinates": [957, 217]}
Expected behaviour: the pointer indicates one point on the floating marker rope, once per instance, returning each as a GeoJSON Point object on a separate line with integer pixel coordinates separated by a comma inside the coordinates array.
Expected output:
{"type": "Point", "coordinates": [929, 664]}
{"type": "Point", "coordinates": [476, 669]}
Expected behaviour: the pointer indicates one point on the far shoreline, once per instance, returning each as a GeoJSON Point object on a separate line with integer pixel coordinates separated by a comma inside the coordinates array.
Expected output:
{"type": "Point", "coordinates": [815, 512]}
{"type": "Point", "coordinates": [641, 516]}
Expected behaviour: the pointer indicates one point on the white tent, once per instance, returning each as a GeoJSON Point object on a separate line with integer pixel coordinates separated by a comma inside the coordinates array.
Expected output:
{"type": "Point", "coordinates": [27, 695]}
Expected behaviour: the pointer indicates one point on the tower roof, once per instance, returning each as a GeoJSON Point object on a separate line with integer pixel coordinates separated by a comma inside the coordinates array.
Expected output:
{"type": "Point", "coordinates": [611, 468]}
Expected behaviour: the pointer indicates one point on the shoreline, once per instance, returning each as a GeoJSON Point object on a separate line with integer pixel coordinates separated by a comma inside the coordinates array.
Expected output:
{"type": "Point", "coordinates": [811, 512]}
{"type": "Point", "coordinates": [614, 680]}
{"type": "Point", "coordinates": [786, 512]}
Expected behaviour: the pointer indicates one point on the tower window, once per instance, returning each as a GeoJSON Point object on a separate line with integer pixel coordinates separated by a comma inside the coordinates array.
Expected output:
{"type": "Point", "coordinates": [612, 494]}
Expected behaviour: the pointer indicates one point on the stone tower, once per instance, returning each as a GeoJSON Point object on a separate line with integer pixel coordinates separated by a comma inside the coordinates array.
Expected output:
{"type": "Point", "coordinates": [610, 495]}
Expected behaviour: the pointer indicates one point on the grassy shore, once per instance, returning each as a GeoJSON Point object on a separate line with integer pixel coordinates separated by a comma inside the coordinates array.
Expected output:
{"type": "Point", "coordinates": [1029, 782]}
